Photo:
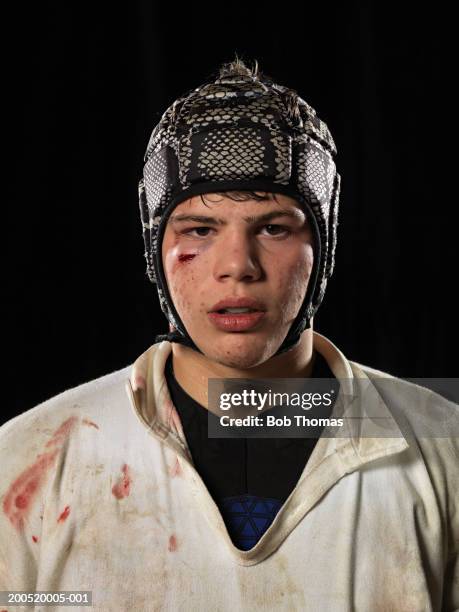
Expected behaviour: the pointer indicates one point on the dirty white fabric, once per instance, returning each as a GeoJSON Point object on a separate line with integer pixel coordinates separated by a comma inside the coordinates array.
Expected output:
{"type": "Point", "coordinates": [99, 493]}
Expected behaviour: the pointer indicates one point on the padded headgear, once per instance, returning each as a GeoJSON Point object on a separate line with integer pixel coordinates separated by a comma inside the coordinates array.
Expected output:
{"type": "Point", "coordinates": [241, 131]}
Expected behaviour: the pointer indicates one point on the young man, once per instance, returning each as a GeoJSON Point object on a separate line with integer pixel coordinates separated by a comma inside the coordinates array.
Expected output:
{"type": "Point", "coordinates": [114, 487]}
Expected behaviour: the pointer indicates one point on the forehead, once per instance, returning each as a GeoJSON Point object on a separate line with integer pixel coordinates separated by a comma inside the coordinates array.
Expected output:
{"type": "Point", "coordinates": [238, 204]}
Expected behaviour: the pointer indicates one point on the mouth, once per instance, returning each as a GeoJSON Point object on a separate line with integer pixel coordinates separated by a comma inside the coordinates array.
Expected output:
{"type": "Point", "coordinates": [236, 319]}
{"type": "Point", "coordinates": [236, 310]}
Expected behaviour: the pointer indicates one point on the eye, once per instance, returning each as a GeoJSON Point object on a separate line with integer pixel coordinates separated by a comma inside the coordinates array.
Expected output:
{"type": "Point", "coordinates": [187, 232]}
{"type": "Point", "coordinates": [282, 228]}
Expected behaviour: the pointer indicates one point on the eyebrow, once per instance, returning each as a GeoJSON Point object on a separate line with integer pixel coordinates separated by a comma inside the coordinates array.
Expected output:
{"type": "Point", "coordinates": [217, 221]}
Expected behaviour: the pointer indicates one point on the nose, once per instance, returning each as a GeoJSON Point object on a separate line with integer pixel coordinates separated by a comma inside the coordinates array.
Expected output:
{"type": "Point", "coordinates": [237, 258]}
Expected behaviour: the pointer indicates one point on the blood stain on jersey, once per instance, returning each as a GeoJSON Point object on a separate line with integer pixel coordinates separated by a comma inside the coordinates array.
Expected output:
{"type": "Point", "coordinates": [140, 383]}
{"type": "Point", "coordinates": [122, 487]}
{"type": "Point", "coordinates": [64, 514]}
{"type": "Point", "coordinates": [62, 432]}
{"type": "Point", "coordinates": [176, 469]}
{"type": "Point", "coordinates": [90, 423]}
{"type": "Point", "coordinates": [24, 489]}
{"type": "Point", "coordinates": [172, 547]}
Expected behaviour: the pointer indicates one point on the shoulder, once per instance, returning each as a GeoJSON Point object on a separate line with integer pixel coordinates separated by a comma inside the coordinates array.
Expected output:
{"type": "Point", "coordinates": [55, 418]}
{"type": "Point", "coordinates": [430, 424]}
{"type": "Point", "coordinates": [421, 413]}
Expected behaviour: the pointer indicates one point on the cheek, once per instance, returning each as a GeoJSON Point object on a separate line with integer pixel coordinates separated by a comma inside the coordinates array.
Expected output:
{"type": "Point", "coordinates": [294, 275]}
{"type": "Point", "coordinates": [182, 276]}
{"type": "Point", "coordinates": [298, 266]}
{"type": "Point", "coordinates": [308, 260]}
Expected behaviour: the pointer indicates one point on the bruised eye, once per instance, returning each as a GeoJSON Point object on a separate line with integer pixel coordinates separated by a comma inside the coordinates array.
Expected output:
{"type": "Point", "coordinates": [197, 229]}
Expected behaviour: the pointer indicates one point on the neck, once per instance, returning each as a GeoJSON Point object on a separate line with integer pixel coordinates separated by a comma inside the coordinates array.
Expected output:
{"type": "Point", "coordinates": [192, 370]}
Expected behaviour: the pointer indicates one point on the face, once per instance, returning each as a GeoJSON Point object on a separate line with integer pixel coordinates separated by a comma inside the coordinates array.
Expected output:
{"type": "Point", "coordinates": [220, 249]}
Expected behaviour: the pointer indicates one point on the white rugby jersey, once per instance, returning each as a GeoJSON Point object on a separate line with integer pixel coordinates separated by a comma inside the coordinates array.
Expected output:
{"type": "Point", "coordinates": [99, 493]}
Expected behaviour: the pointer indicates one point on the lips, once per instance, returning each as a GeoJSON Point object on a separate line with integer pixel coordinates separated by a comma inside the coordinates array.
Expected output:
{"type": "Point", "coordinates": [236, 322]}
{"type": "Point", "coordinates": [238, 302]}
{"type": "Point", "coordinates": [233, 322]}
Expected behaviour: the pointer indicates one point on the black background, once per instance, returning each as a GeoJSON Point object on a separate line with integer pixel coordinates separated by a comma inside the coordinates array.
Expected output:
{"type": "Point", "coordinates": [87, 86]}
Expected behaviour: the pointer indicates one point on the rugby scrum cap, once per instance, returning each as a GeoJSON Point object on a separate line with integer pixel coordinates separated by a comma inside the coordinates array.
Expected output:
{"type": "Point", "coordinates": [241, 131]}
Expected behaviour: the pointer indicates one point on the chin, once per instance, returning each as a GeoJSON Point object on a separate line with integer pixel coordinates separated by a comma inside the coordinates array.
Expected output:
{"type": "Point", "coordinates": [241, 351]}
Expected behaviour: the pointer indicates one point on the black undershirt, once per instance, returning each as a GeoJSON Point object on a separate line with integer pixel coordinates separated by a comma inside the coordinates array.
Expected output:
{"type": "Point", "coordinates": [248, 478]}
